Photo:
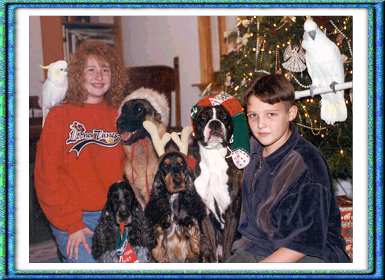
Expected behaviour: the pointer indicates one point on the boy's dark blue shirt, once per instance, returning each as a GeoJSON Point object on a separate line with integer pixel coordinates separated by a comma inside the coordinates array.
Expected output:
{"type": "Point", "coordinates": [305, 217]}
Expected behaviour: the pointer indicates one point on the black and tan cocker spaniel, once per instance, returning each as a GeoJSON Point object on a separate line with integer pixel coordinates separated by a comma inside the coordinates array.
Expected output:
{"type": "Point", "coordinates": [123, 233]}
{"type": "Point", "coordinates": [175, 211]}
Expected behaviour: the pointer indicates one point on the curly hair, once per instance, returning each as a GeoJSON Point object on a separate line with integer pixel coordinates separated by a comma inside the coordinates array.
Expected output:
{"type": "Point", "coordinates": [102, 52]}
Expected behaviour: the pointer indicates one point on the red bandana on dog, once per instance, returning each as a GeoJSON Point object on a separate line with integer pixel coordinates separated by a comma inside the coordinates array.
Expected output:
{"type": "Point", "coordinates": [124, 250]}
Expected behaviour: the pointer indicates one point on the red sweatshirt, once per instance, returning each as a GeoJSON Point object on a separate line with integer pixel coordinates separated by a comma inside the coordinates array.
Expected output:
{"type": "Point", "coordinates": [78, 158]}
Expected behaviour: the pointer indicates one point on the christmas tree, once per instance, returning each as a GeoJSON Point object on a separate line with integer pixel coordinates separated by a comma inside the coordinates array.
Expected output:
{"type": "Point", "coordinates": [272, 44]}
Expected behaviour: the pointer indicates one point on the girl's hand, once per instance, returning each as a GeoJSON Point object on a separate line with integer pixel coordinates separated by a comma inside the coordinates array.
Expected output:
{"type": "Point", "coordinates": [74, 241]}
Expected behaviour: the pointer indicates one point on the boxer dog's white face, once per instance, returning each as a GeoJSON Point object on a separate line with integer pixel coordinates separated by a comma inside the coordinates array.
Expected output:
{"type": "Point", "coordinates": [213, 127]}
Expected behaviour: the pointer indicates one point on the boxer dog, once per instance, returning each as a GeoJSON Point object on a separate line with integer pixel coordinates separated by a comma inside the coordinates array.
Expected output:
{"type": "Point", "coordinates": [218, 181]}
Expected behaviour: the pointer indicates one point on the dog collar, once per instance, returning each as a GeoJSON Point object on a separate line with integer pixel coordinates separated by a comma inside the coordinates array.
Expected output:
{"type": "Point", "coordinates": [120, 238]}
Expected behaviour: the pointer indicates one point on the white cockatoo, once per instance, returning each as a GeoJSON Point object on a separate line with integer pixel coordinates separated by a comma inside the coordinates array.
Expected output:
{"type": "Point", "coordinates": [55, 87]}
{"type": "Point", "coordinates": [325, 67]}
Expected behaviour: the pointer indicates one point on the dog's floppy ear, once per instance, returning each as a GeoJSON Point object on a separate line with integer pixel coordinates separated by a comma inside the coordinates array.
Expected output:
{"type": "Point", "coordinates": [189, 179]}
{"type": "Point", "coordinates": [107, 216]}
{"type": "Point", "coordinates": [191, 199]}
{"type": "Point", "coordinates": [158, 208]}
{"type": "Point", "coordinates": [107, 212]}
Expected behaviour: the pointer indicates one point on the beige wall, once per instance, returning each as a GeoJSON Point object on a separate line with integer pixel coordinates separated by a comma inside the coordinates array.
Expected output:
{"type": "Point", "coordinates": [36, 75]}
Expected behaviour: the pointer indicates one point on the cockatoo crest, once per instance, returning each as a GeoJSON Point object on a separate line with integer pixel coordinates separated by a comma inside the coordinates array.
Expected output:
{"type": "Point", "coordinates": [55, 87]}
{"type": "Point", "coordinates": [309, 25]}
{"type": "Point", "coordinates": [57, 71]}
{"type": "Point", "coordinates": [325, 67]}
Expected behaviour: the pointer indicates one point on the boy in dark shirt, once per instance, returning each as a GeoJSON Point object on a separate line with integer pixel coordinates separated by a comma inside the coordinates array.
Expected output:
{"type": "Point", "coordinates": [289, 211]}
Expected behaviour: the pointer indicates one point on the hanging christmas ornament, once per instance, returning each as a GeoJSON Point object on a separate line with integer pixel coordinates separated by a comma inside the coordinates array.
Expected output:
{"type": "Point", "coordinates": [286, 20]}
{"type": "Point", "coordinates": [258, 45]}
{"type": "Point", "coordinates": [294, 58]}
{"type": "Point", "coordinates": [278, 69]}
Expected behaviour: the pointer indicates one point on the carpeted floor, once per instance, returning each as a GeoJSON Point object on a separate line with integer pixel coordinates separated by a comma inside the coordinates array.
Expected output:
{"type": "Point", "coordinates": [43, 252]}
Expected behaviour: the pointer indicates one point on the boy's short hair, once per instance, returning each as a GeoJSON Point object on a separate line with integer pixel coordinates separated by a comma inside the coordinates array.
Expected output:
{"type": "Point", "coordinates": [272, 89]}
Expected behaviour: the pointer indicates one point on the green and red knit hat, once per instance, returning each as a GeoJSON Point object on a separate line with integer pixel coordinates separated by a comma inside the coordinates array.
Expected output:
{"type": "Point", "coordinates": [239, 142]}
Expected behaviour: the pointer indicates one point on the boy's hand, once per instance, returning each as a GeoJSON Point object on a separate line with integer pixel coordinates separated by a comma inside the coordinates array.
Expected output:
{"type": "Point", "coordinates": [283, 255]}
{"type": "Point", "coordinates": [74, 241]}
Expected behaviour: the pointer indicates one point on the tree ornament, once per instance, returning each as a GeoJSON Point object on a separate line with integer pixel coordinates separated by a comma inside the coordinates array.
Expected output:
{"type": "Point", "coordinates": [286, 20]}
{"type": "Point", "coordinates": [258, 46]}
{"type": "Point", "coordinates": [294, 58]}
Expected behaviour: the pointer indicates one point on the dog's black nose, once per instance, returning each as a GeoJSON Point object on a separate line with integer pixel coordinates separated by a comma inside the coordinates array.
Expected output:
{"type": "Point", "coordinates": [123, 213]}
{"type": "Point", "coordinates": [177, 182]}
{"type": "Point", "coordinates": [215, 125]}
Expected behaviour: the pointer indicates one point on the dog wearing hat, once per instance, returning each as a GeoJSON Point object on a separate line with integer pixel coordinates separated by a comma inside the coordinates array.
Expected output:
{"type": "Point", "coordinates": [221, 141]}
{"type": "Point", "coordinates": [141, 164]}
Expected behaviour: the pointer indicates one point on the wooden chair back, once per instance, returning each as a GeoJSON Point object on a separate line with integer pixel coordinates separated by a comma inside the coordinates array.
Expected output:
{"type": "Point", "coordinates": [162, 78]}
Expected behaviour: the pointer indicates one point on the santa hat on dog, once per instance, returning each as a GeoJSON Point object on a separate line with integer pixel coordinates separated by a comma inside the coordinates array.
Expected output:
{"type": "Point", "coordinates": [156, 99]}
{"type": "Point", "coordinates": [240, 148]}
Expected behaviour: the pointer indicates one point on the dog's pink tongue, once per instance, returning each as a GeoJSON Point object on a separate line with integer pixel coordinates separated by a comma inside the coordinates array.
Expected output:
{"type": "Point", "coordinates": [125, 136]}
{"type": "Point", "coordinates": [121, 228]}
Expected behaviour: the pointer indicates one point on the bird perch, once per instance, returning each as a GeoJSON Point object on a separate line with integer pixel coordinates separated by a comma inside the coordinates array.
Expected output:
{"type": "Point", "coordinates": [322, 90]}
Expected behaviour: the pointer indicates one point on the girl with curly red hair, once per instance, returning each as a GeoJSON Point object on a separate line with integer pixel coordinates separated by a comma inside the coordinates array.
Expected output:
{"type": "Point", "coordinates": [78, 155]}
